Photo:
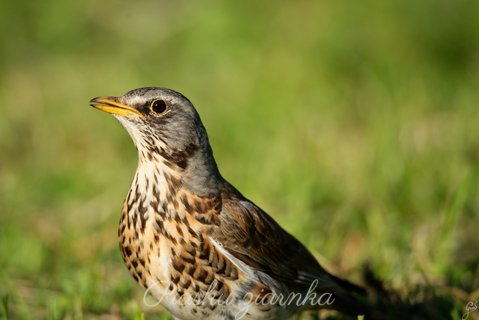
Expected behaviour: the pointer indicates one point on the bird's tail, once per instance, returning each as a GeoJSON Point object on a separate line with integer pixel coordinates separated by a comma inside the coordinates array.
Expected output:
{"type": "Point", "coordinates": [378, 302]}
{"type": "Point", "coordinates": [354, 300]}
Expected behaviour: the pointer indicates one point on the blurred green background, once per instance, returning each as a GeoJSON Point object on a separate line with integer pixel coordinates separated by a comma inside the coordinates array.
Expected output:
{"type": "Point", "coordinates": [355, 124]}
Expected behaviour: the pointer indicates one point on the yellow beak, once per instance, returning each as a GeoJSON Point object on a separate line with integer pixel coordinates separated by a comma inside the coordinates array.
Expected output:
{"type": "Point", "coordinates": [111, 105]}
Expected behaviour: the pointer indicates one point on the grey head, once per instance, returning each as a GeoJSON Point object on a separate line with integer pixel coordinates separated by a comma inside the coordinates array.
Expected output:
{"type": "Point", "coordinates": [166, 128]}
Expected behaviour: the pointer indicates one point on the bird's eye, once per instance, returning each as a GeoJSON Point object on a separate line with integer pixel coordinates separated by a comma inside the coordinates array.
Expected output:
{"type": "Point", "coordinates": [158, 106]}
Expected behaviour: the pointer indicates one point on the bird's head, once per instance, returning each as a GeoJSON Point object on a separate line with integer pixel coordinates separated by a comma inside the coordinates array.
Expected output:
{"type": "Point", "coordinates": [164, 126]}
{"type": "Point", "coordinates": [156, 118]}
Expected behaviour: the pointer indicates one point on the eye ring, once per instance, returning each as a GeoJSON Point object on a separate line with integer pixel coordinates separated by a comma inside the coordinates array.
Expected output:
{"type": "Point", "coordinates": [158, 106]}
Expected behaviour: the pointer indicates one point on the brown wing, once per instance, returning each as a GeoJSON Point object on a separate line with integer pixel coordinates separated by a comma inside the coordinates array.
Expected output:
{"type": "Point", "coordinates": [252, 236]}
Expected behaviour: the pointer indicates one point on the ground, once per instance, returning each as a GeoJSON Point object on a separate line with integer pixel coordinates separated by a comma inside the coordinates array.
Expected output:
{"type": "Point", "coordinates": [354, 124]}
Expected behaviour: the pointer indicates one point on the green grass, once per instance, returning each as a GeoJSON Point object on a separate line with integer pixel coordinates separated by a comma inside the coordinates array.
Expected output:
{"type": "Point", "coordinates": [354, 124]}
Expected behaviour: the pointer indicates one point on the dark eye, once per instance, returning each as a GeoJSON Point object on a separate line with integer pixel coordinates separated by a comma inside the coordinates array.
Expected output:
{"type": "Point", "coordinates": [158, 106]}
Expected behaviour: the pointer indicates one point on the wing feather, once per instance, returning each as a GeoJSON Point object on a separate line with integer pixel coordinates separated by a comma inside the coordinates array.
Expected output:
{"type": "Point", "coordinates": [252, 236]}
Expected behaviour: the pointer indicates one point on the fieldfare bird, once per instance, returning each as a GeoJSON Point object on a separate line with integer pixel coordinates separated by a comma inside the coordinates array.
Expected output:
{"type": "Point", "coordinates": [196, 243]}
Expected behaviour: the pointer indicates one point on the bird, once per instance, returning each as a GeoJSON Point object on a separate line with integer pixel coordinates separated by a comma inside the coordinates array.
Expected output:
{"type": "Point", "coordinates": [197, 245]}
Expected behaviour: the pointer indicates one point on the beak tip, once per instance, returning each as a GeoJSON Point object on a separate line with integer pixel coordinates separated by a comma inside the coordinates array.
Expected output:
{"type": "Point", "coordinates": [97, 101]}
{"type": "Point", "coordinates": [93, 102]}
